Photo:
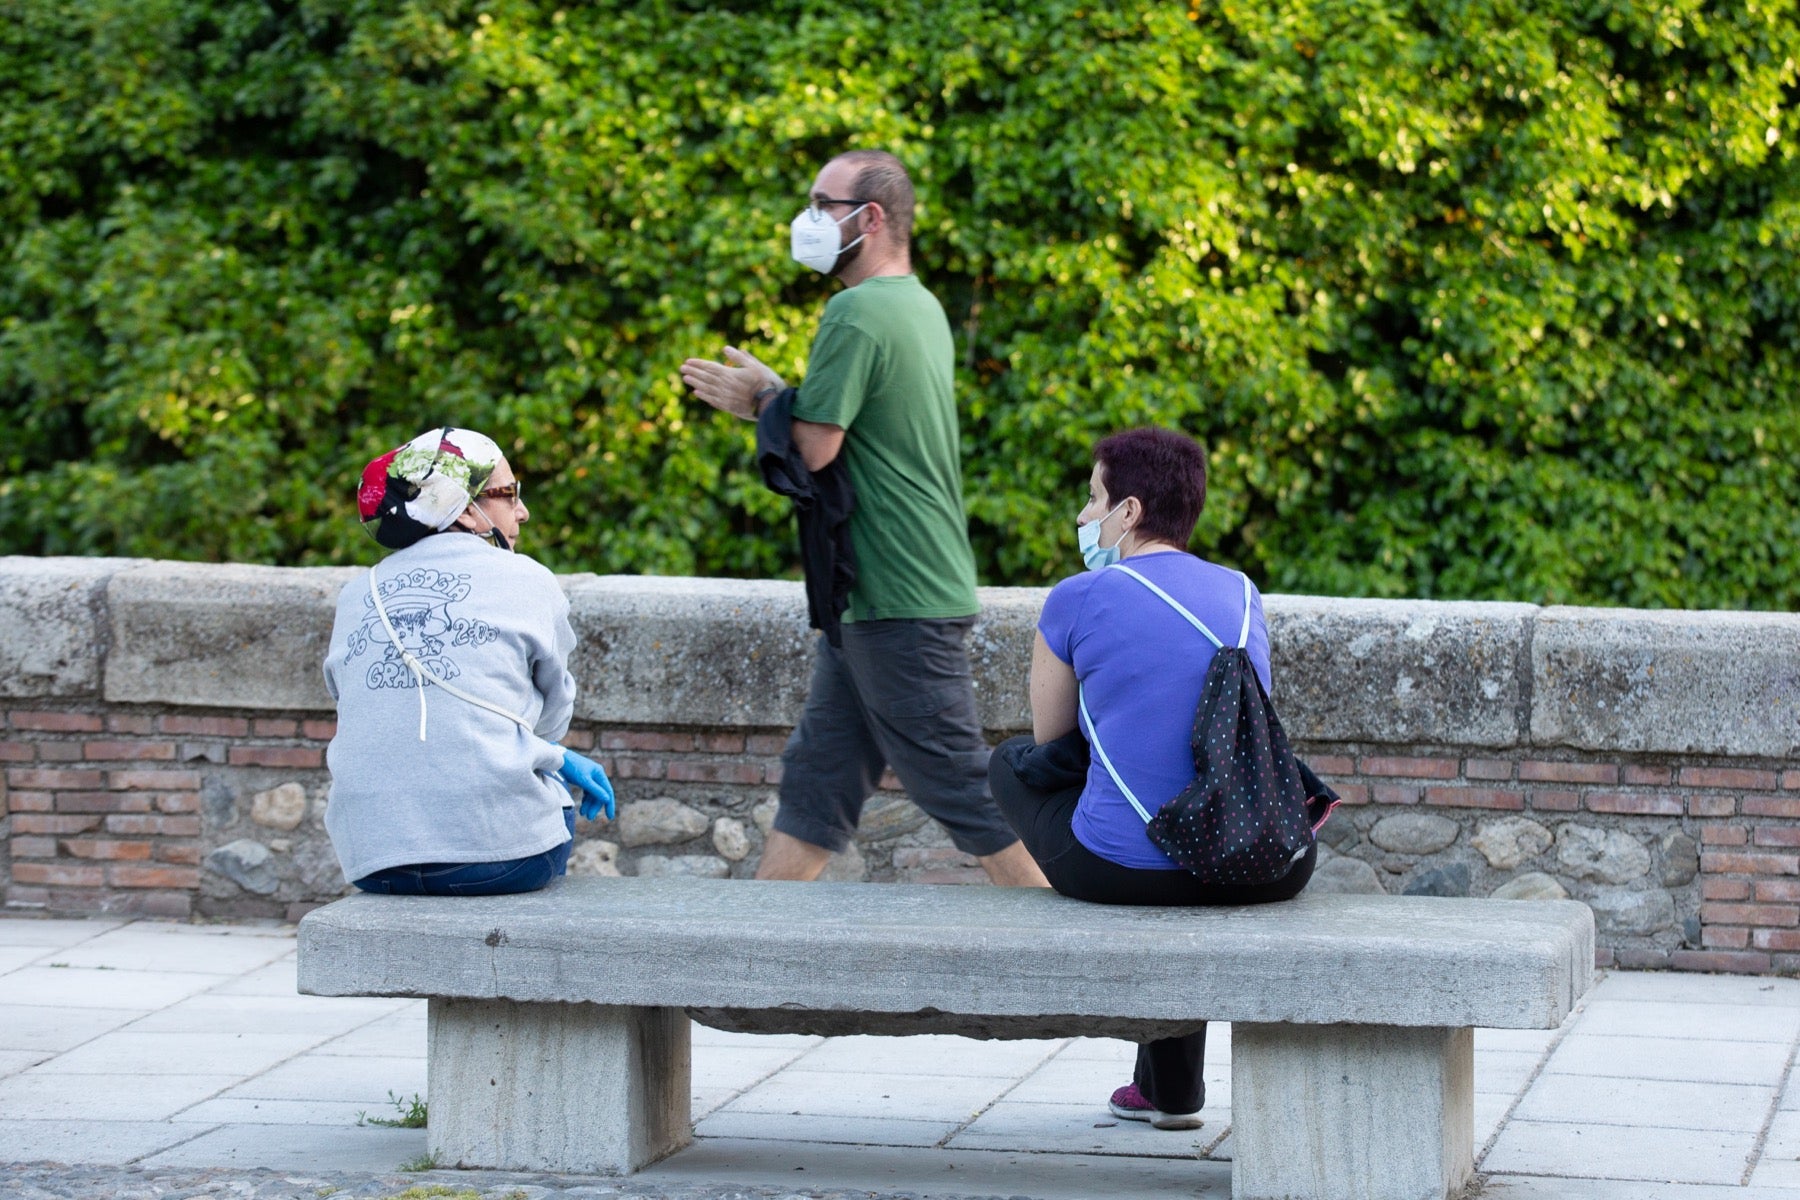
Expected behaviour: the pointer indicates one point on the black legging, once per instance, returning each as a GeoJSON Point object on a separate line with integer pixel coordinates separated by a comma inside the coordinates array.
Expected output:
{"type": "Point", "coordinates": [1168, 1070]}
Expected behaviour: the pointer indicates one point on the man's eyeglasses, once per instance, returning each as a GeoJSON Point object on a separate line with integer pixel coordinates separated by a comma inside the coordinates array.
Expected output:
{"type": "Point", "coordinates": [512, 491]}
{"type": "Point", "coordinates": [821, 203]}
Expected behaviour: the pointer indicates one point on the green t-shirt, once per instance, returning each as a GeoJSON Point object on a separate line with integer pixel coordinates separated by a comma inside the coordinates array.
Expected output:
{"type": "Point", "coordinates": [882, 369]}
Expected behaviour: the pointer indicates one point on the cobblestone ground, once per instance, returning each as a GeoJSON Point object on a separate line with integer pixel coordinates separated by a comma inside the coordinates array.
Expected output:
{"type": "Point", "coordinates": [53, 1182]}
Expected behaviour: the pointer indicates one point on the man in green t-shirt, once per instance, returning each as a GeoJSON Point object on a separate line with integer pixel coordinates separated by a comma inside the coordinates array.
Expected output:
{"type": "Point", "coordinates": [879, 390]}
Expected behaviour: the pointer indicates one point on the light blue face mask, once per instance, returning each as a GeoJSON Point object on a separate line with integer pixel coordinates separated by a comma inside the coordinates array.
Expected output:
{"type": "Point", "coordinates": [1093, 554]}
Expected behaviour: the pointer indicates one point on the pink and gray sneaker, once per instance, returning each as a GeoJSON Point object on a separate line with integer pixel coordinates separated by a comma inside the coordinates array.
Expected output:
{"type": "Point", "coordinates": [1129, 1104]}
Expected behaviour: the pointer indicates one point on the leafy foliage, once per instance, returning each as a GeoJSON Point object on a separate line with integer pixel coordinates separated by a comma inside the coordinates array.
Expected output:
{"type": "Point", "coordinates": [1478, 298]}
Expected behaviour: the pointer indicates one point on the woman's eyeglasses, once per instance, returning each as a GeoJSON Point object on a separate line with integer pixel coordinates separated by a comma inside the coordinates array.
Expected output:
{"type": "Point", "coordinates": [512, 491]}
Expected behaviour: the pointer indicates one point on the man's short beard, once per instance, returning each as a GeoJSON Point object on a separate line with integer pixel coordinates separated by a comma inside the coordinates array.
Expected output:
{"type": "Point", "coordinates": [849, 255]}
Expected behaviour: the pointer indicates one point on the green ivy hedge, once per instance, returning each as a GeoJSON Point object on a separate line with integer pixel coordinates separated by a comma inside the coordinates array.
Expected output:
{"type": "Point", "coordinates": [1475, 298]}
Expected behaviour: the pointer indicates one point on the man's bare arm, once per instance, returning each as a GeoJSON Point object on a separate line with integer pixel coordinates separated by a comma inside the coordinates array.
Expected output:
{"type": "Point", "coordinates": [818, 444]}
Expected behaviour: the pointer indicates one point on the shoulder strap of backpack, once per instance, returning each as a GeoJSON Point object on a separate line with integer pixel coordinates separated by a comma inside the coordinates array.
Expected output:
{"type": "Point", "coordinates": [1243, 633]}
{"type": "Point", "coordinates": [1244, 630]}
{"type": "Point", "coordinates": [1093, 736]}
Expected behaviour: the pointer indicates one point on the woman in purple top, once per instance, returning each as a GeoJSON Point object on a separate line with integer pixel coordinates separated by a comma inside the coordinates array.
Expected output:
{"type": "Point", "coordinates": [1110, 646]}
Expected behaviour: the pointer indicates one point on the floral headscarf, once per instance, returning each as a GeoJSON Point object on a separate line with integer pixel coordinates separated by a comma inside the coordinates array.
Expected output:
{"type": "Point", "coordinates": [419, 489]}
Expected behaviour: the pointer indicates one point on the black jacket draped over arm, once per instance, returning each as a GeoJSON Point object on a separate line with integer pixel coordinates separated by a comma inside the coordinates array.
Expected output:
{"type": "Point", "coordinates": [823, 501]}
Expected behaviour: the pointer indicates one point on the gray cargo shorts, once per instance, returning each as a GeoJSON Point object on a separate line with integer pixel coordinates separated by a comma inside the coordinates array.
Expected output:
{"type": "Point", "coordinates": [897, 693]}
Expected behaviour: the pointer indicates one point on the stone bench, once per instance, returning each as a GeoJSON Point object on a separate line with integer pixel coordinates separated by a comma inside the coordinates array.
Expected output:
{"type": "Point", "coordinates": [559, 1019]}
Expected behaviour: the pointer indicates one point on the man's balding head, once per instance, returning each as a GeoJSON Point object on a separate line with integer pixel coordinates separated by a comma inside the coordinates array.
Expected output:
{"type": "Point", "coordinates": [881, 178]}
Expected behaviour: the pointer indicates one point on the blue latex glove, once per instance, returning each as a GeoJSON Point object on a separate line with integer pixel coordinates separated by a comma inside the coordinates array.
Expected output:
{"type": "Point", "coordinates": [585, 774]}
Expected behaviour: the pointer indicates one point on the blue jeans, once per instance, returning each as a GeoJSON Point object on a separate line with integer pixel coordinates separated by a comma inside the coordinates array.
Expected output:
{"type": "Point", "coordinates": [475, 879]}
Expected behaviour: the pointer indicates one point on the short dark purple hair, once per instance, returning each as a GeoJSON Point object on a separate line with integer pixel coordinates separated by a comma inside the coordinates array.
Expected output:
{"type": "Point", "coordinates": [1165, 470]}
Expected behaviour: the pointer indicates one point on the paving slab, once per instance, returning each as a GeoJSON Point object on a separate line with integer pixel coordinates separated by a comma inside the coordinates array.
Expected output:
{"type": "Point", "coordinates": [1082, 1129]}
{"type": "Point", "coordinates": [1674, 987]}
{"type": "Point", "coordinates": [1781, 1173]}
{"type": "Point", "coordinates": [1071, 1078]}
{"type": "Point", "coordinates": [836, 1128]}
{"type": "Point", "coordinates": [72, 987]}
{"type": "Point", "coordinates": [1490, 1109]}
{"type": "Point", "coordinates": [1065, 1080]}
{"type": "Point", "coordinates": [149, 946]}
{"type": "Point", "coordinates": [1662, 1155]}
{"type": "Point", "coordinates": [1515, 1187]}
{"type": "Point", "coordinates": [14, 1061]}
{"type": "Point", "coordinates": [401, 1032]}
{"type": "Point", "coordinates": [77, 1140]}
{"type": "Point", "coordinates": [234, 1110]}
{"type": "Point", "coordinates": [949, 1098]}
{"type": "Point", "coordinates": [929, 1054]}
{"type": "Point", "coordinates": [1521, 1040]}
{"type": "Point", "coordinates": [1603, 1101]}
{"type": "Point", "coordinates": [297, 1147]}
{"type": "Point", "coordinates": [29, 931]}
{"type": "Point", "coordinates": [1505, 1071]}
{"type": "Point", "coordinates": [58, 1028]}
{"type": "Point", "coordinates": [299, 1016]}
{"type": "Point", "coordinates": [1112, 1050]}
{"type": "Point", "coordinates": [812, 1167]}
{"type": "Point", "coordinates": [131, 1052]}
{"type": "Point", "coordinates": [14, 957]}
{"type": "Point", "coordinates": [1700, 1061]}
{"type": "Point", "coordinates": [1774, 1023]}
{"type": "Point", "coordinates": [1782, 1140]}
{"type": "Point", "coordinates": [279, 978]}
{"type": "Point", "coordinates": [364, 1079]}
{"type": "Point", "coordinates": [35, 1095]}
{"type": "Point", "coordinates": [703, 1102]}
{"type": "Point", "coordinates": [738, 1068]}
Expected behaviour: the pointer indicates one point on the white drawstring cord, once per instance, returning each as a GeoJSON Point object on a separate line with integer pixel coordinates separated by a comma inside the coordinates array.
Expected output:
{"type": "Point", "coordinates": [424, 676]}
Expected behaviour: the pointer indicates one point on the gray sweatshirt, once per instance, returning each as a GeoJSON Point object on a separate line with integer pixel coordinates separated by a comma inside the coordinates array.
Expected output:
{"type": "Point", "coordinates": [477, 789]}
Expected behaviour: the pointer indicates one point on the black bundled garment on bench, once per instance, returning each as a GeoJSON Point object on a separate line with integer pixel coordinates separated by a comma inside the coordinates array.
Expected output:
{"type": "Point", "coordinates": [823, 501]}
{"type": "Point", "coordinates": [1063, 763]}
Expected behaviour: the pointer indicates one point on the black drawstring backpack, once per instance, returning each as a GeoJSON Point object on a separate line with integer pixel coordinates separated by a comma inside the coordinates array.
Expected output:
{"type": "Point", "coordinates": [1253, 809]}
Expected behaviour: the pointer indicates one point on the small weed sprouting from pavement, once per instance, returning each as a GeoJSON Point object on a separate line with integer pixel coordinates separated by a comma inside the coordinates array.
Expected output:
{"type": "Point", "coordinates": [412, 1114]}
{"type": "Point", "coordinates": [427, 1161]}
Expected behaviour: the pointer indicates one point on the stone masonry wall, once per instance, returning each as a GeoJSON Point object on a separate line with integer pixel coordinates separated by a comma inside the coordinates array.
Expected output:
{"type": "Point", "coordinates": [165, 731]}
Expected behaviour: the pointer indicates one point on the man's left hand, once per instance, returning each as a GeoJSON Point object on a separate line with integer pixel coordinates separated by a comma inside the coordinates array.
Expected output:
{"type": "Point", "coordinates": [730, 386]}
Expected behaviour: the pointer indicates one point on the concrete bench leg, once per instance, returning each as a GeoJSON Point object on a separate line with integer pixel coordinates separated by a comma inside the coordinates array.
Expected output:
{"type": "Point", "coordinates": [583, 1088]}
{"type": "Point", "coordinates": [1351, 1112]}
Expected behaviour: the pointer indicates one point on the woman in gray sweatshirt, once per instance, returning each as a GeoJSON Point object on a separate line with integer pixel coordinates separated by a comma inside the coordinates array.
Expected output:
{"type": "Point", "coordinates": [449, 663]}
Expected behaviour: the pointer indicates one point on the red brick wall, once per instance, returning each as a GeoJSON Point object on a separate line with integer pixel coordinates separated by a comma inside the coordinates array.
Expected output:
{"type": "Point", "coordinates": [101, 817]}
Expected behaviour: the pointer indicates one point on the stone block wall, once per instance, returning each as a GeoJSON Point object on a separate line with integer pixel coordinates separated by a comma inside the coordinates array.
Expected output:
{"type": "Point", "coordinates": [166, 724]}
{"type": "Point", "coordinates": [1690, 866]}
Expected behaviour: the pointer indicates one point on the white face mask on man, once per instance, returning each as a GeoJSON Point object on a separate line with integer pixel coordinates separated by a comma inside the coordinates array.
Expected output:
{"type": "Point", "coordinates": [817, 240]}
